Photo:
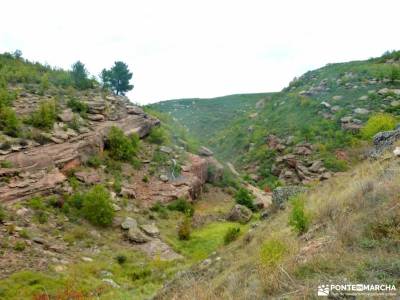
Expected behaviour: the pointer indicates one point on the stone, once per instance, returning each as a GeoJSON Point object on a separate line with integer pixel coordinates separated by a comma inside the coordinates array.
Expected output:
{"type": "Point", "coordinates": [39, 240]}
{"type": "Point", "coordinates": [96, 117]}
{"type": "Point", "coordinates": [240, 213]}
{"type": "Point", "coordinates": [111, 283]}
{"type": "Point", "coordinates": [128, 192]}
{"type": "Point", "coordinates": [203, 151]}
{"type": "Point", "coordinates": [395, 103]}
{"type": "Point", "coordinates": [135, 235]}
{"type": "Point", "coordinates": [316, 166]}
{"type": "Point", "coordinates": [150, 229]}
{"type": "Point", "coordinates": [303, 150]}
{"type": "Point", "coordinates": [384, 140]}
{"type": "Point", "coordinates": [66, 116]}
{"type": "Point", "coordinates": [87, 259]}
{"type": "Point", "coordinates": [164, 178]}
{"type": "Point", "coordinates": [346, 119]}
{"type": "Point", "coordinates": [363, 98]}
{"type": "Point", "coordinates": [134, 110]}
{"type": "Point", "coordinates": [166, 149]}
{"type": "Point", "coordinates": [325, 104]}
{"type": "Point", "coordinates": [22, 211]}
{"type": "Point", "coordinates": [337, 97]}
{"type": "Point", "coordinates": [396, 152]}
{"type": "Point", "coordinates": [116, 207]}
{"type": "Point", "coordinates": [361, 111]}
{"type": "Point", "coordinates": [88, 177]}
{"type": "Point", "coordinates": [383, 91]}
{"type": "Point", "coordinates": [280, 195]}
{"type": "Point", "coordinates": [128, 223]}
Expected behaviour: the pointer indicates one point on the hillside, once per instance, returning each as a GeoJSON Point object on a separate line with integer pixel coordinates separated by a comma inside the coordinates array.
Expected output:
{"type": "Point", "coordinates": [317, 119]}
{"type": "Point", "coordinates": [103, 199]}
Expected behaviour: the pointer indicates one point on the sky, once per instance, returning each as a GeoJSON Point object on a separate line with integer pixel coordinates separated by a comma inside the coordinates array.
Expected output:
{"type": "Point", "coordinates": [190, 49]}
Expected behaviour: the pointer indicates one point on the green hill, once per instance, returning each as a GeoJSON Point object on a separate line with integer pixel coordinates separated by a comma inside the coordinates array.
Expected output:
{"type": "Point", "coordinates": [327, 107]}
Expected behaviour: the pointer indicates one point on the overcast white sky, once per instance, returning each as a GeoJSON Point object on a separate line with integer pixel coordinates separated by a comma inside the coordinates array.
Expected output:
{"type": "Point", "coordinates": [187, 48]}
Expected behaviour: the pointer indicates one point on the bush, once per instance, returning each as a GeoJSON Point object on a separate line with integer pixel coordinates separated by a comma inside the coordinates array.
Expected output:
{"type": "Point", "coordinates": [158, 136]}
{"type": "Point", "coordinates": [377, 123]}
{"type": "Point", "coordinates": [19, 246]}
{"type": "Point", "coordinates": [2, 214]}
{"type": "Point", "coordinates": [97, 207]}
{"type": "Point", "coordinates": [45, 116]}
{"type": "Point", "coordinates": [120, 146]}
{"type": "Point", "coordinates": [121, 259]}
{"type": "Point", "coordinates": [94, 161]}
{"type": "Point", "coordinates": [184, 229]}
{"type": "Point", "coordinates": [299, 220]}
{"type": "Point", "coordinates": [334, 164]}
{"type": "Point", "coordinates": [6, 164]}
{"type": "Point", "coordinates": [244, 197]}
{"type": "Point", "coordinates": [272, 252]}
{"type": "Point", "coordinates": [182, 205]}
{"type": "Point", "coordinates": [9, 122]}
{"type": "Point", "coordinates": [77, 106]}
{"type": "Point", "coordinates": [231, 235]}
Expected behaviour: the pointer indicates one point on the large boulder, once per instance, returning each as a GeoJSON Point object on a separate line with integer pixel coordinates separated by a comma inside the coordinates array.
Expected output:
{"type": "Point", "coordinates": [240, 213]}
{"type": "Point", "coordinates": [203, 151]}
{"type": "Point", "coordinates": [384, 140]}
{"type": "Point", "coordinates": [66, 116]}
{"type": "Point", "coordinates": [135, 235]}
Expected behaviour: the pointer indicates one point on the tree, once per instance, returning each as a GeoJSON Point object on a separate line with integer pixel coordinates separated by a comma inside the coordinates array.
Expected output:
{"type": "Point", "coordinates": [80, 76]}
{"type": "Point", "coordinates": [117, 78]}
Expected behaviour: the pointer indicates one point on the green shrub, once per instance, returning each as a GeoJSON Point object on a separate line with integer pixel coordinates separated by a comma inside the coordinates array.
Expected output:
{"type": "Point", "coordinates": [158, 136]}
{"type": "Point", "coordinates": [299, 220]}
{"type": "Point", "coordinates": [231, 235]}
{"type": "Point", "coordinates": [6, 164]}
{"type": "Point", "coordinates": [77, 106]}
{"type": "Point", "coordinates": [41, 216]}
{"type": "Point", "coordinates": [244, 197]}
{"type": "Point", "coordinates": [94, 161]}
{"type": "Point", "coordinates": [181, 205]}
{"type": "Point", "coordinates": [184, 229]}
{"type": "Point", "coordinates": [121, 259]}
{"type": "Point", "coordinates": [37, 203]}
{"type": "Point", "coordinates": [2, 214]}
{"type": "Point", "coordinates": [140, 274]}
{"type": "Point", "coordinates": [377, 123]}
{"type": "Point", "coordinates": [45, 116]}
{"type": "Point", "coordinates": [19, 246]}
{"type": "Point", "coordinates": [120, 146]}
{"type": "Point", "coordinates": [272, 251]}
{"type": "Point", "coordinates": [145, 179]}
{"type": "Point", "coordinates": [160, 209]}
{"type": "Point", "coordinates": [97, 207]}
{"type": "Point", "coordinates": [334, 164]}
{"type": "Point", "coordinates": [9, 122]}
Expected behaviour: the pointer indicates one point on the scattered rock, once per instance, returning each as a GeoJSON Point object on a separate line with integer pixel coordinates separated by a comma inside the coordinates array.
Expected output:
{"type": "Point", "coordinates": [281, 194]}
{"type": "Point", "coordinates": [166, 149]}
{"type": "Point", "coordinates": [361, 111]}
{"type": "Point", "coordinates": [150, 229]}
{"type": "Point", "coordinates": [96, 117]}
{"type": "Point", "coordinates": [128, 223]}
{"type": "Point", "coordinates": [363, 98]}
{"type": "Point", "coordinates": [135, 235]}
{"type": "Point", "coordinates": [66, 116]}
{"type": "Point", "coordinates": [396, 151]}
{"type": "Point", "coordinates": [203, 151]}
{"type": "Point", "coordinates": [164, 178]}
{"type": "Point", "coordinates": [336, 98]}
{"type": "Point", "coordinates": [87, 259]}
{"type": "Point", "coordinates": [240, 213]}
{"type": "Point", "coordinates": [88, 177]}
{"type": "Point", "coordinates": [134, 110]}
{"type": "Point", "coordinates": [110, 282]}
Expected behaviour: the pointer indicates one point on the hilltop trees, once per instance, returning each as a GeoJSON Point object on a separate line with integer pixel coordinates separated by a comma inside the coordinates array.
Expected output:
{"type": "Point", "coordinates": [117, 78]}
{"type": "Point", "coordinates": [79, 76]}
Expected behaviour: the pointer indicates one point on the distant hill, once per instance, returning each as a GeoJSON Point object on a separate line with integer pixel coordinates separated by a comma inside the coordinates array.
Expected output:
{"type": "Point", "coordinates": [327, 108]}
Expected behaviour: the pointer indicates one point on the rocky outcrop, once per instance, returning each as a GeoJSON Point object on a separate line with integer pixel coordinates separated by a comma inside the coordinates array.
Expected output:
{"type": "Point", "coordinates": [38, 169]}
{"type": "Point", "coordinates": [383, 141]}
{"type": "Point", "coordinates": [240, 213]}
{"type": "Point", "coordinates": [282, 194]}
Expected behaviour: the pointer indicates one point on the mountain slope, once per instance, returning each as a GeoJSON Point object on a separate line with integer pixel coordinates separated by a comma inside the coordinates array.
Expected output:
{"type": "Point", "coordinates": [325, 108]}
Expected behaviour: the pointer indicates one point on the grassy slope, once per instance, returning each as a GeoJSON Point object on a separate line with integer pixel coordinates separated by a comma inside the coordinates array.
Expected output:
{"type": "Point", "coordinates": [205, 117]}
{"type": "Point", "coordinates": [353, 237]}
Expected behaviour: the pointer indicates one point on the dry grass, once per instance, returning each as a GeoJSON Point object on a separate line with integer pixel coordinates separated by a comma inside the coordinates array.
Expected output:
{"type": "Point", "coordinates": [354, 236]}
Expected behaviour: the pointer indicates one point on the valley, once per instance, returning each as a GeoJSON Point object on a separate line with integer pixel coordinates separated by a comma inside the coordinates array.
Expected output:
{"type": "Point", "coordinates": [250, 196]}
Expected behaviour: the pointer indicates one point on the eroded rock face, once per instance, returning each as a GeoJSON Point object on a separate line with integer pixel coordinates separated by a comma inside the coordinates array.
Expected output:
{"type": "Point", "coordinates": [43, 163]}
{"type": "Point", "coordinates": [384, 140]}
{"type": "Point", "coordinates": [282, 194]}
